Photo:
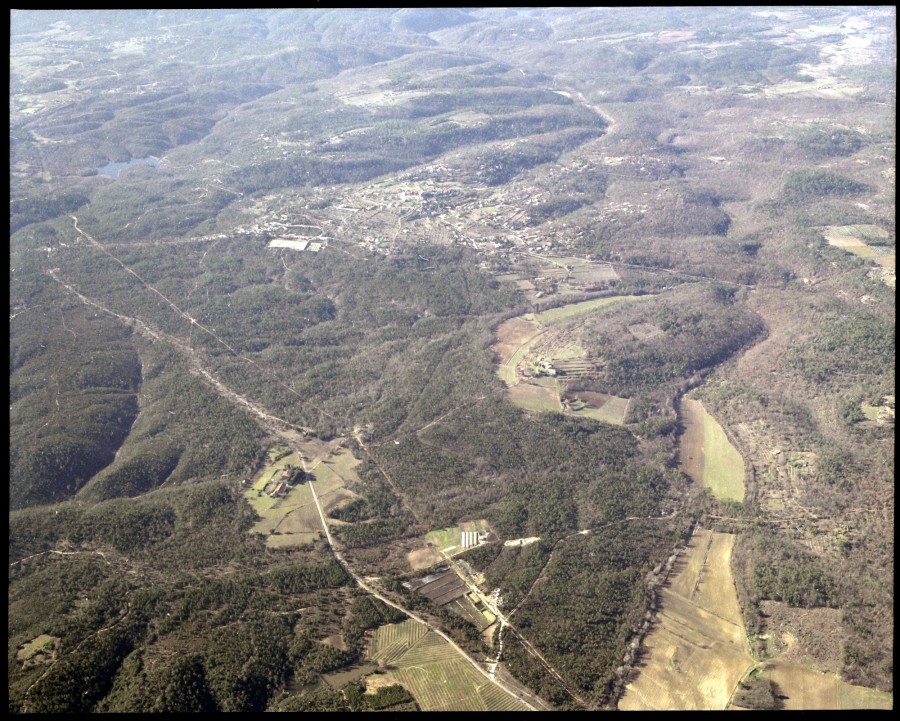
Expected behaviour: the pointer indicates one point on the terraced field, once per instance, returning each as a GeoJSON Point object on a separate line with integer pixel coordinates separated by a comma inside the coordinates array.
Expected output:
{"type": "Point", "coordinates": [551, 334]}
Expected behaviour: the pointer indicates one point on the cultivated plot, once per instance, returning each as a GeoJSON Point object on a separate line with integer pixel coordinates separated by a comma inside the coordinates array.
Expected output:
{"type": "Point", "coordinates": [866, 241]}
{"type": "Point", "coordinates": [707, 456]}
{"type": "Point", "coordinates": [803, 689]}
{"type": "Point", "coordinates": [697, 653]}
{"type": "Point", "coordinates": [434, 673]}
{"type": "Point", "coordinates": [535, 351]}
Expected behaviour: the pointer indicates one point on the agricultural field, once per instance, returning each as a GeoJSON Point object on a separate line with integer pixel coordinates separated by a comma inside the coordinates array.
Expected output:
{"type": "Point", "coordinates": [551, 275]}
{"type": "Point", "coordinates": [434, 673]}
{"type": "Point", "coordinates": [513, 339]}
{"type": "Point", "coordinates": [882, 413]}
{"type": "Point", "coordinates": [293, 519]}
{"type": "Point", "coordinates": [707, 455]}
{"type": "Point", "coordinates": [599, 406]}
{"type": "Point", "coordinates": [551, 336]}
{"type": "Point", "coordinates": [696, 653]}
{"type": "Point", "coordinates": [536, 395]}
{"type": "Point", "coordinates": [289, 520]}
{"type": "Point", "coordinates": [801, 689]}
{"type": "Point", "coordinates": [867, 241]}
{"type": "Point", "coordinates": [574, 310]}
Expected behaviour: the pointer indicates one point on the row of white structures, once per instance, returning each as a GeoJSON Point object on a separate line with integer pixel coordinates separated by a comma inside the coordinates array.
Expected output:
{"type": "Point", "coordinates": [469, 538]}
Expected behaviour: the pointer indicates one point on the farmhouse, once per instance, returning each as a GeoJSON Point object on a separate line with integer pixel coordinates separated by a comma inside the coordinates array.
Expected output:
{"type": "Point", "coordinates": [279, 490]}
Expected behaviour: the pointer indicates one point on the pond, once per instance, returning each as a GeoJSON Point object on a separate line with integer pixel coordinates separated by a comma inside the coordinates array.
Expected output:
{"type": "Point", "coordinates": [113, 169]}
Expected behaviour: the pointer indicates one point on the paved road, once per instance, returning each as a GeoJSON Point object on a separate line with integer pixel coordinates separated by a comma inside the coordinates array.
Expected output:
{"type": "Point", "coordinates": [369, 589]}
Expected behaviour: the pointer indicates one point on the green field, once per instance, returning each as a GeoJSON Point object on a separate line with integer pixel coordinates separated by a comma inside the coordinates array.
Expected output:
{"type": "Point", "coordinates": [326, 479]}
{"type": "Point", "coordinates": [39, 650]}
{"type": "Point", "coordinates": [565, 312]}
{"type": "Point", "coordinates": [534, 397]}
{"type": "Point", "coordinates": [613, 411]}
{"type": "Point", "coordinates": [862, 231]}
{"type": "Point", "coordinates": [343, 462]}
{"type": "Point", "coordinates": [870, 412]}
{"type": "Point", "coordinates": [294, 515]}
{"type": "Point", "coordinates": [723, 466]}
{"type": "Point", "coordinates": [445, 538]}
{"type": "Point", "coordinates": [434, 673]}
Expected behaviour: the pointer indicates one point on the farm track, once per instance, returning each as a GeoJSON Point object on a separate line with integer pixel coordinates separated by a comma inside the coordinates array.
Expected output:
{"type": "Point", "coordinates": [476, 401]}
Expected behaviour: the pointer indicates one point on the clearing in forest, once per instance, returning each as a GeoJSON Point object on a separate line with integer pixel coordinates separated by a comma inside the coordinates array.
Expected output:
{"type": "Point", "coordinates": [456, 539]}
{"type": "Point", "coordinates": [866, 241]}
{"type": "Point", "coordinates": [696, 653]}
{"type": "Point", "coordinates": [39, 650]}
{"type": "Point", "coordinates": [288, 514]}
{"type": "Point", "coordinates": [451, 541]}
{"type": "Point", "coordinates": [707, 456]}
{"type": "Point", "coordinates": [434, 673]}
{"type": "Point", "coordinates": [536, 395]}
{"type": "Point", "coordinates": [535, 350]}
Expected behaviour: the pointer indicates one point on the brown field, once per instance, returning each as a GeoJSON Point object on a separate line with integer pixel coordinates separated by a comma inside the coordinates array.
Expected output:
{"type": "Point", "coordinates": [339, 679]}
{"type": "Point", "coordinates": [335, 498]}
{"type": "Point", "coordinates": [304, 519]}
{"type": "Point", "coordinates": [423, 558]}
{"type": "Point", "coordinates": [379, 680]}
{"type": "Point", "coordinates": [697, 652]}
{"type": "Point", "coordinates": [511, 335]}
{"type": "Point", "coordinates": [802, 688]}
{"type": "Point", "coordinates": [811, 636]}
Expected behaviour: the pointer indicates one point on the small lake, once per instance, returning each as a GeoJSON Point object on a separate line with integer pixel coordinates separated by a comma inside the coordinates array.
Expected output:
{"type": "Point", "coordinates": [113, 169]}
